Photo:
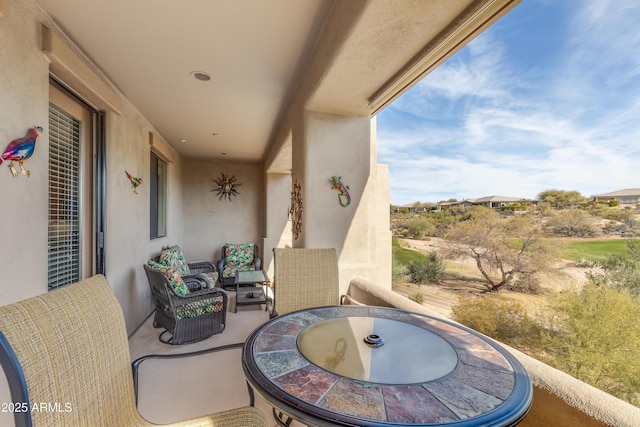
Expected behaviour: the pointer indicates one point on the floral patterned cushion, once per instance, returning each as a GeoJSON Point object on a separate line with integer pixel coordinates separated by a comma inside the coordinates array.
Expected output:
{"type": "Point", "coordinates": [170, 273]}
{"type": "Point", "coordinates": [198, 308]}
{"type": "Point", "coordinates": [238, 257]}
{"type": "Point", "coordinates": [173, 257]}
{"type": "Point", "coordinates": [211, 277]}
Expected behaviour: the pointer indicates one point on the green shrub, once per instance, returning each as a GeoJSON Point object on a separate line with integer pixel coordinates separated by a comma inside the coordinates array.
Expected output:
{"type": "Point", "coordinates": [503, 320]}
{"type": "Point", "coordinates": [596, 338]}
{"type": "Point", "coordinates": [419, 227]}
{"type": "Point", "coordinates": [571, 223]}
{"type": "Point", "coordinates": [432, 270]}
{"type": "Point", "coordinates": [398, 274]}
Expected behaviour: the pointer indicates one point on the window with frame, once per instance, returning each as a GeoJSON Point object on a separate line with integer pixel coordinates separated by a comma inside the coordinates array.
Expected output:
{"type": "Point", "coordinates": [158, 197]}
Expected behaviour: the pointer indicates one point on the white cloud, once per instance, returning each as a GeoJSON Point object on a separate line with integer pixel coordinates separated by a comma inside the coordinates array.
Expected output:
{"type": "Point", "coordinates": [480, 126]}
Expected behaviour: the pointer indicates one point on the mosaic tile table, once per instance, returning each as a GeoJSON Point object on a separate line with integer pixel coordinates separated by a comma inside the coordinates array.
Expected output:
{"type": "Point", "coordinates": [372, 366]}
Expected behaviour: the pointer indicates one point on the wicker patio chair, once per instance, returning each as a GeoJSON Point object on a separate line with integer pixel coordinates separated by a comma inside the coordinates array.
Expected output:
{"type": "Point", "coordinates": [69, 348]}
{"type": "Point", "coordinates": [304, 278]}
{"type": "Point", "coordinates": [235, 257]}
{"type": "Point", "coordinates": [190, 316]}
{"type": "Point", "coordinates": [173, 256]}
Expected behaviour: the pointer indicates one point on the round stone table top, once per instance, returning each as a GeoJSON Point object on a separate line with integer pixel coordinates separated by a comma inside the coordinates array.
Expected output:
{"type": "Point", "coordinates": [373, 366]}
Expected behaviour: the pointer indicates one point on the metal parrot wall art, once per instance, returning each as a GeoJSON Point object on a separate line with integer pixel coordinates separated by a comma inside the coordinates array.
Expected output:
{"type": "Point", "coordinates": [20, 150]}
{"type": "Point", "coordinates": [135, 182]}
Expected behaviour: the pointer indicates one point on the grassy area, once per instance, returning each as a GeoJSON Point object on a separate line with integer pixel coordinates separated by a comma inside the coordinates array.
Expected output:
{"type": "Point", "coordinates": [404, 256]}
{"type": "Point", "coordinates": [596, 250]}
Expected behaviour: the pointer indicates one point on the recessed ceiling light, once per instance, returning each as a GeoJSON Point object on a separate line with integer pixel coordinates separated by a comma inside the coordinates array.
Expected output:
{"type": "Point", "coordinates": [183, 140]}
{"type": "Point", "coordinates": [201, 75]}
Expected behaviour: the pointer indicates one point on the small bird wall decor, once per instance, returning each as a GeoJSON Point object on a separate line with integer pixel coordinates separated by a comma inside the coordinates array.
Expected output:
{"type": "Point", "coordinates": [135, 182]}
{"type": "Point", "coordinates": [226, 187]}
{"type": "Point", "coordinates": [20, 150]}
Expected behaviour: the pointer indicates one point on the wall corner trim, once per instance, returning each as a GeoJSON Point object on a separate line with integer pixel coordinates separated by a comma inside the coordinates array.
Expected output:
{"type": "Point", "coordinates": [72, 70]}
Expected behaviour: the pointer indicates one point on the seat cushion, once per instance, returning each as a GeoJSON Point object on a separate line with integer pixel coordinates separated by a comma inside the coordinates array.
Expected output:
{"type": "Point", "coordinates": [238, 257]}
{"type": "Point", "coordinates": [173, 257]}
{"type": "Point", "coordinates": [211, 277]}
{"type": "Point", "coordinates": [231, 270]}
{"type": "Point", "coordinates": [199, 308]}
{"type": "Point", "coordinates": [172, 275]}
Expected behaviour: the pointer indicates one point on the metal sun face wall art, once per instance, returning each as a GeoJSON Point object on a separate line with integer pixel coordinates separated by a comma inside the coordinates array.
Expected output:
{"type": "Point", "coordinates": [226, 187]}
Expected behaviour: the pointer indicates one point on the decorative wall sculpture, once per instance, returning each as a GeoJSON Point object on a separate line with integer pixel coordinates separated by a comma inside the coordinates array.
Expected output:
{"type": "Point", "coordinates": [226, 186]}
{"type": "Point", "coordinates": [135, 182]}
{"type": "Point", "coordinates": [295, 212]}
{"type": "Point", "coordinates": [343, 197]}
{"type": "Point", "coordinates": [20, 150]}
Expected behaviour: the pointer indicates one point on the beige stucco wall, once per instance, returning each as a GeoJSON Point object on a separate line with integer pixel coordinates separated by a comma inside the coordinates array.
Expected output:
{"type": "Point", "coordinates": [210, 222]}
{"type": "Point", "coordinates": [327, 145]}
{"type": "Point", "coordinates": [278, 226]}
{"type": "Point", "coordinates": [24, 99]}
{"type": "Point", "coordinates": [24, 102]}
{"type": "Point", "coordinates": [24, 88]}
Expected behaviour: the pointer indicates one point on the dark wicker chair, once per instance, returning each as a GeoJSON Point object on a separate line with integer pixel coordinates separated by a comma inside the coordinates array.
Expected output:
{"type": "Point", "coordinates": [204, 270]}
{"type": "Point", "coordinates": [227, 270]}
{"type": "Point", "coordinates": [188, 318]}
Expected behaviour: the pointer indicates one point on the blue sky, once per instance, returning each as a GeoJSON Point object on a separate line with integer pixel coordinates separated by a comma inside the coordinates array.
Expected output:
{"type": "Point", "coordinates": [548, 97]}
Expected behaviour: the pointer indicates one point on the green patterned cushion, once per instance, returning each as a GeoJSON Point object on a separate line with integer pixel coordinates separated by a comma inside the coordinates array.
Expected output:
{"type": "Point", "coordinates": [238, 257]}
{"type": "Point", "coordinates": [172, 256]}
{"type": "Point", "coordinates": [230, 271]}
{"type": "Point", "coordinates": [172, 275]}
{"type": "Point", "coordinates": [198, 308]}
{"type": "Point", "coordinates": [211, 277]}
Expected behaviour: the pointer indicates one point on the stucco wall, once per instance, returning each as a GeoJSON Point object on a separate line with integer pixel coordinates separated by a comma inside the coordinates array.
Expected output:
{"type": "Point", "coordinates": [24, 101]}
{"type": "Point", "coordinates": [24, 88]}
{"type": "Point", "coordinates": [127, 242]}
{"type": "Point", "coordinates": [278, 226]}
{"type": "Point", "coordinates": [327, 145]}
{"type": "Point", "coordinates": [210, 222]}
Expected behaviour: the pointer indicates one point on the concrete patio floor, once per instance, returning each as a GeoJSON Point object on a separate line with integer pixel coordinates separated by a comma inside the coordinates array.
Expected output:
{"type": "Point", "coordinates": [171, 390]}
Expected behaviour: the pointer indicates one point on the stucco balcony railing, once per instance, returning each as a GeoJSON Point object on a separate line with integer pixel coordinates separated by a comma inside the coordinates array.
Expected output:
{"type": "Point", "coordinates": [559, 399]}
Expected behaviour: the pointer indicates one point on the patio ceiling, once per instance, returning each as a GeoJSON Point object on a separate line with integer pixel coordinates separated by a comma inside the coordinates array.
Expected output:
{"type": "Point", "coordinates": [352, 56]}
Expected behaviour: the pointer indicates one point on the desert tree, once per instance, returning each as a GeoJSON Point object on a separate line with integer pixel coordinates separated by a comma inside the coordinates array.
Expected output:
{"type": "Point", "coordinates": [505, 250]}
{"type": "Point", "coordinates": [561, 199]}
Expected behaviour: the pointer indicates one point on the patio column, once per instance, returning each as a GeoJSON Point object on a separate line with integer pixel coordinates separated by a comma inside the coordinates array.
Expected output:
{"type": "Point", "coordinates": [327, 145]}
{"type": "Point", "coordinates": [278, 228]}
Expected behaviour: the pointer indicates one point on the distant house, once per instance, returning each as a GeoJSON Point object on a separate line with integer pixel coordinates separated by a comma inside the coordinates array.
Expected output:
{"type": "Point", "coordinates": [629, 196]}
{"type": "Point", "coordinates": [495, 201]}
{"type": "Point", "coordinates": [488, 201]}
{"type": "Point", "coordinates": [459, 204]}
{"type": "Point", "coordinates": [414, 207]}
